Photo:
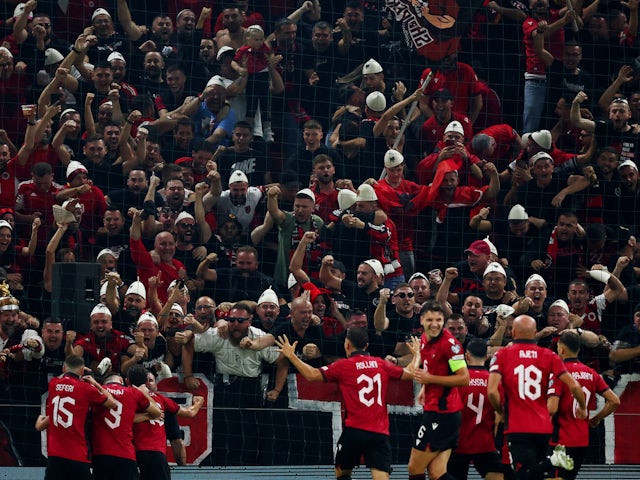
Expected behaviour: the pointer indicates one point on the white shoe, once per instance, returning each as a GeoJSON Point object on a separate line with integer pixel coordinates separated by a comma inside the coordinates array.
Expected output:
{"type": "Point", "coordinates": [559, 458]}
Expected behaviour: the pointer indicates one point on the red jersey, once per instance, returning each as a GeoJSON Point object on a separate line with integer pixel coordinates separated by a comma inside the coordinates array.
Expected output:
{"type": "Point", "coordinates": [506, 137]}
{"type": "Point", "coordinates": [393, 200]}
{"type": "Point", "coordinates": [592, 316]}
{"type": "Point", "coordinates": [113, 428]}
{"type": "Point", "coordinates": [526, 370]}
{"type": "Point", "coordinates": [147, 268]}
{"type": "Point", "coordinates": [432, 131]}
{"type": "Point", "coordinates": [462, 82]}
{"type": "Point", "coordinates": [151, 435]}
{"type": "Point", "coordinates": [94, 207]}
{"type": "Point", "coordinates": [478, 416]}
{"type": "Point", "coordinates": [325, 203]}
{"type": "Point", "coordinates": [567, 429]}
{"type": "Point", "coordinates": [437, 356]}
{"type": "Point", "coordinates": [256, 58]}
{"type": "Point", "coordinates": [95, 350]}
{"type": "Point", "coordinates": [31, 199]}
{"type": "Point", "coordinates": [535, 65]}
{"type": "Point", "coordinates": [67, 407]}
{"type": "Point", "coordinates": [363, 382]}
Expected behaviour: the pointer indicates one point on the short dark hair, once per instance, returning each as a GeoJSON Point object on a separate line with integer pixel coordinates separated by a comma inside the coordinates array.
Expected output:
{"type": "Point", "coordinates": [570, 340]}
{"type": "Point", "coordinates": [432, 306]}
{"type": "Point", "coordinates": [74, 362]}
{"type": "Point", "coordinates": [321, 158]}
{"type": "Point", "coordinates": [176, 67]}
{"type": "Point", "coordinates": [242, 306]}
{"type": "Point", "coordinates": [477, 348]}
{"type": "Point", "coordinates": [137, 375]}
{"type": "Point", "coordinates": [41, 169]}
{"type": "Point", "coordinates": [312, 124]}
{"type": "Point", "coordinates": [243, 124]}
{"type": "Point", "coordinates": [358, 337]}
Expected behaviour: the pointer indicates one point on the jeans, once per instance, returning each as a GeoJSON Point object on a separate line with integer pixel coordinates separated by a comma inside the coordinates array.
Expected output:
{"type": "Point", "coordinates": [535, 95]}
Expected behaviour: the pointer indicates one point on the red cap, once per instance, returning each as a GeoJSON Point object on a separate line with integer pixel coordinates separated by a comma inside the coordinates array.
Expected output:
{"type": "Point", "coordinates": [479, 247]}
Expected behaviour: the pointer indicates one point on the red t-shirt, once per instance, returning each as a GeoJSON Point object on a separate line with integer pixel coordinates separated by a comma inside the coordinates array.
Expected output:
{"type": "Point", "coordinates": [151, 435]}
{"type": "Point", "coordinates": [432, 131]}
{"type": "Point", "coordinates": [592, 316]}
{"type": "Point", "coordinates": [567, 429]}
{"type": "Point", "coordinates": [505, 137]}
{"type": "Point", "coordinates": [30, 200]}
{"type": "Point", "coordinates": [363, 382]}
{"type": "Point", "coordinates": [478, 416]}
{"type": "Point", "coordinates": [113, 428]}
{"type": "Point", "coordinates": [256, 58]}
{"type": "Point", "coordinates": [435, 355]}
{"type": "Point", "coordinates": [146, 268]}
{"type": "Point", "coordinates": [96, 350]}
{"type": "Point", "coordinates": [462, 82]}
{"type": "Point", "coordinates": [67, 407]}
{"type": "Point", "coordinates": [526, 370]}
{"type": "Point", "coordinates": [535, 65]}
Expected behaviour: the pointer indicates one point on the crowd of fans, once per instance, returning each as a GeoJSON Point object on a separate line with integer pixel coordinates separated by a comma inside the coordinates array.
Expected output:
{"type": "Point", "coordinates": [237, 168]}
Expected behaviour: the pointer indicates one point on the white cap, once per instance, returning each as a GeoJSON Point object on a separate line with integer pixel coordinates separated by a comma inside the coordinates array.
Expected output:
{"type": "Point", "coordinates": [62, 215]}
{"type": "Point", "coordinates": [503, 310]}
{"type": "Point", "coordinates": [346, 198]}
{"type": "Point", "coordinates": [307, 193]}
{"type": "Point", "coordinates": [106, 251]}
{"type": "Point", "coordinates": [255, 27]}
{"type": "Point", "coordinates": [535, 278]}
{"type": "Point", "coordinates": [366, 193]}
{"type": "Point", "coordinates": [147, 317]}
{"type": "Point", "coordinates": [628, 163]}
{"type": "Point", "coordinates": [492, 247]}
{"type": "Point", "coordinates": [223, 50]}
{"type": "Point", "coordinates": [103, 290]}
{"type": "Point", "coordinates": [19, 9]}
{"type": "Point", "coordinates": [376, 101]}
{"type": "Point", "coordinates": [393, 158]}
{"type": "Point", "coordinates": [6, 51]}
{"type": "Point", "coordinates": [51, 56]}
{"type": "Point", "coordinates": [68, 110]}
{"type": "Point", "coordinates": [183, 216]}
{"type": "Point", "coordinates": [371, 66]}
{"type": "Point", "coordinates": [494, 267]}
{"type": "Point", "coordinates": [291, 281]}
{"type": "Point", "coordinates": [4, 223]}
{"type": "Point", "coordinates": [560, 303]}
{"type": "Point", "coordinates": [99, 11]}
{"type": "Point", "coordinates": [177, 308]}
{"type": "Point", "coordinates": [268, 296]}
{"type": "Point", "coordinates": [376, 266]}
{"type": "Point", "coordinates": [454, 126]}
{"type": "Point", "coordinates": [518, 213]}
{"type": "Point", "coordinates": [216, 80]}
{"type": "Point", "coordinates": [75, 166]}
{"type": "Point", "coordinates": [116, 56]}
{"type": "Point", "coordinates": [137, 288]}
{"type": "Point", "coordinates": [599, 275]}
{"type": "Point", "coordinates": [238, 176]}
{"type": "Point", "coordinates": [542, 138]}
{"type": "Point", "coordinates": [100, 308]}
{"type": "Point", "coordinates": [540, 156]}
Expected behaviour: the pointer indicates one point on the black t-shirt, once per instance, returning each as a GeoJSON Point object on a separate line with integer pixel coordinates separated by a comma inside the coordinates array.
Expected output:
{"type": "Point", "coordinates": [625, 142]}
{"type": "Point", "coordinates": [253, 163]}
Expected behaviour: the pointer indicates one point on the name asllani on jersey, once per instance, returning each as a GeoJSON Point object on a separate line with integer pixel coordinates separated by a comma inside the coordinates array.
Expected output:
{"type": "Point", "coordinates": [366, 364]}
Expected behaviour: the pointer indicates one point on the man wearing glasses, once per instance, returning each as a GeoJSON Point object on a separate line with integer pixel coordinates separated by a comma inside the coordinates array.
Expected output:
{"type": "Point", "coordinates": [397, 323]}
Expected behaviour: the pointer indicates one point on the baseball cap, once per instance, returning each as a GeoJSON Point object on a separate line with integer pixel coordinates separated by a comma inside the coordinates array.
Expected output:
{"type": "Point", "coordinates": [52, 56]}
{"type": "Point", "coordinates": [479, 247]}
{"type": "Point", "coordinates": [224, 50]}
{"type": "Point", "coordinates": [376, 101]}
{"type": "Point", "coordinates": [494, 267]}
{"type": "Point", "coordinates": [366, 193]}
{"type": "Point", "coordinates": [238, 176]}
{"type": "Point", "coordinates": [454, 126]}
{"type": "Point", "coordinates": [137, 288]}
{"type": "Point", "coordinates": [147, 317]}
{"type": "Point", "coordinates": [371, 66]}
{"type": "Point", "coordinates": [442, 93]}
{"type": "Point", "coordinates": [100, 308]}
{"type": "Point", "coordinates": [177, 308]}
{"type": "Point", "coordinates": [540, 156]}
{"type": "Point", "coordinates": [346, 198]}
{"type": "Point", "coordinates": [628, 163]}
{"type": "Point", "coordinates": [418, 275]}
{"type": "Point", "coordinates": [376, 266]}
{"type": "Point", "coordinates": [393, 158]}
{"type": "Point", "coordinates": [517, 214]}
{"type": "Point", "coordinates": [306, 192]}
{"type": "Point", "coordinates": [216, 80]}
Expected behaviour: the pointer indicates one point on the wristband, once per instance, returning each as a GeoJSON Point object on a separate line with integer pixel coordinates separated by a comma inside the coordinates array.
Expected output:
{"type": "Point", "coordinates": [74, 49]}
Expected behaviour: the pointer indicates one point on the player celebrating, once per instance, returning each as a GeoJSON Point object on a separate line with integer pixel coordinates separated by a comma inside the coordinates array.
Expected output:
{"type": "Point", "coordinates": [568, 430]}
{"type": "Point", "coordinates": [524, 370]}
{"type": "Point", "coordinates": [443, 368]}
{"type": "Point", "coordinates": [363, 381]}
{"type": "Point", "coordinates": [70, 396]}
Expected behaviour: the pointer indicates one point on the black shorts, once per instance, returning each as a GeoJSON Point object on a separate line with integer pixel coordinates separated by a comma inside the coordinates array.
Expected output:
{"type": "Point", "coordinates": [578, 454]}
{"type": "Point", "coordinates": [438, 431]}
{"type": "Point", "coordinates": [355, 443]}
{"type": "Point", "coordinates": [109, 467]}
{"type": "Point", "coordinates": [153, 465]}
{"type": "Point", "coordinates": [527, 449]}
{"type": "Point", "coordinates": [483, 462]}
{"type": "Point", "coordinates": [63, 469]}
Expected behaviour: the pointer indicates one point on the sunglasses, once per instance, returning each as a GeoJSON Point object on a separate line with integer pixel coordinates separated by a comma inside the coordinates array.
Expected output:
{"type": "Point", "coordinates": [237, 319]}
{"type": "Point", "coordinates": [404, 295]}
